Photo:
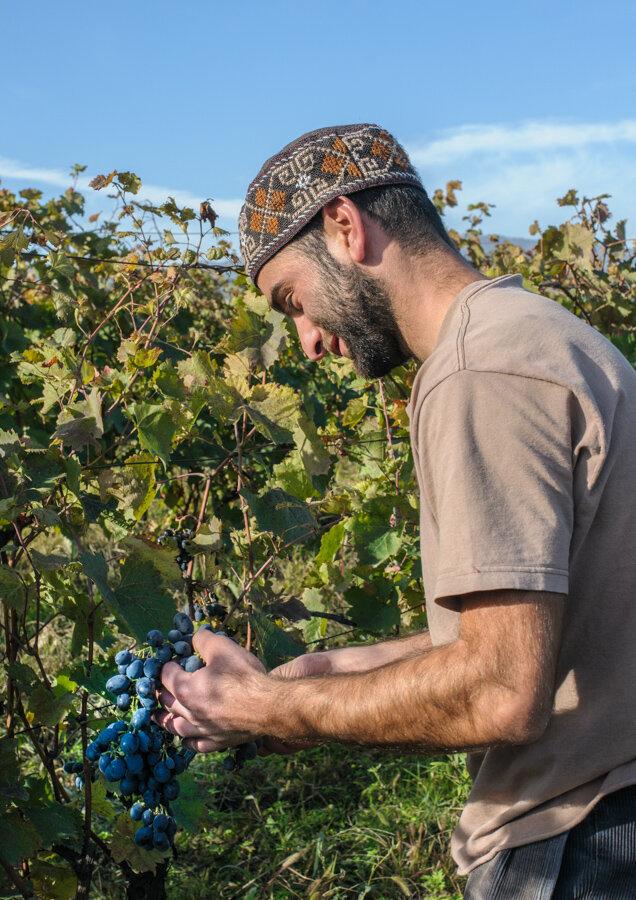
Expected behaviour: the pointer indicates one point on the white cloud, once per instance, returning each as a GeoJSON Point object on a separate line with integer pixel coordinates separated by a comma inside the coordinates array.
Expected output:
{"type": "Point", "coordinates": [526, 137]}
{"type": "Point", "coordinates": [19, 171]}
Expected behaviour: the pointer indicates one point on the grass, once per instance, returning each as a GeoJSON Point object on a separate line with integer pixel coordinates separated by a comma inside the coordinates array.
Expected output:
{"type": "Point", "coordinates": [333, 822]}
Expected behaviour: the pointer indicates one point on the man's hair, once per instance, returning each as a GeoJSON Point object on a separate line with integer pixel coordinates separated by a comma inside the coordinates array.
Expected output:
{"type": "Point", "coordinates": [404, 212]}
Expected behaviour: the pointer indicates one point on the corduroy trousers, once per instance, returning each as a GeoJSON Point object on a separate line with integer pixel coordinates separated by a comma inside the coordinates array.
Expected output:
{"type": "Point", "coordinates": [595, 860]}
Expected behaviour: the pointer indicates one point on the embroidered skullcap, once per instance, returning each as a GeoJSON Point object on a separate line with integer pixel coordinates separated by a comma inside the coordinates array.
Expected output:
{"type": "Point", "coordinates": [297, 182]}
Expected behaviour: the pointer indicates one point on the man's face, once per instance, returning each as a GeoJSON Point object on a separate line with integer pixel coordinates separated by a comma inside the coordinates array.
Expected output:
{"type": "Point", "coordinates": [336, 309]}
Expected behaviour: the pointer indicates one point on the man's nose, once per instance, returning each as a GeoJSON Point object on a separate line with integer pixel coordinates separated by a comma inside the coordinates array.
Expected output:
{"type": "Point", "coordinates": [310, 338]}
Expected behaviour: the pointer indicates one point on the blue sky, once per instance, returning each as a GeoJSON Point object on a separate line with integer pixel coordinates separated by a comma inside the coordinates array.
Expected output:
{"type": "Point", "coordinates": [521, 100]}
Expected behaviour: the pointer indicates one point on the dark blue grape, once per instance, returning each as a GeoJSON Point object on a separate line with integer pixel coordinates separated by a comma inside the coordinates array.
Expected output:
{"type": "Point", "coordinates": [104, 761]}
{"type": "Point", "coordinates": [169, 761]}
{"type": "Point", "coordinates": [171, 790]}
{"type": "Point", "coordinates": [123, 657]}
{"type": "Point", "coordinates": [144, 836]}
{"type": "Point", "coordinates": [144, 741]}
{"type": "Point", "coordinates": [135, 670]}
{"type": "Point", "coordinates": [193, 664]}
{"type": "Point", "coordinates": [174, 635]}
{"type": "Point", "coordinates": [118, 684]}
{"type": "Point", "coordinates": [92, 752]}
{"type": "Point", "coordinates": [122, 669]}
{"type": "Point", "coordinates": [134, 763]}
{"type": "Point", "coordinates": [79, 782]}
{"type": "Point", "coordinates": [123, 702]}
{"type": "Point", "coordinates": [152, 758]}
{"type": "Point", "coordinates": [162, 773]}
{"type": "Point", "coordinates": [129, 742]}
{"type": "Point", "coordinates": [164, 654]}
{"type": "Point", "coordinates": [128, 786]}
{"type": "Point", "coordinates": [116, 770]}
{"type": "Point", "coordinates": [172, 827]}
{"type": "Point", "coordinates": [154, 638]}
{"type": "Point", "coordinates": [148, 703]}
{"type": "Point", "coordinates": [151, 797]}
{"type": "Point", "coordinates": [140, 718]}
{"type": "Point", "coordinates": [152, 667]}
{"type": "Point", "coordinates": [182, 648]}
{"type": "Point", "coordinates": [137, 811]}
{"type": "Point", "coordinates": [160, 841]}
{"type": "Point", "coordinates": [229, 764]}
{"type": "Point", "coordinates": [145, 687]}
{"type": "Point", "coordinates": [199, 615]}
{"type": "Point", "coordinates": [148, 817]}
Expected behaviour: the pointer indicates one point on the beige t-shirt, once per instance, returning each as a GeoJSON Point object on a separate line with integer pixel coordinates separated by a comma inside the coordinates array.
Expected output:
{"type": "Point", "coordinates": [523, 425]}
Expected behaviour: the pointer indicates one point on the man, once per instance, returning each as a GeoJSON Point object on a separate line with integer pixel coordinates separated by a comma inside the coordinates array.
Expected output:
{"type": "Point", "coordinates": [523, 428]}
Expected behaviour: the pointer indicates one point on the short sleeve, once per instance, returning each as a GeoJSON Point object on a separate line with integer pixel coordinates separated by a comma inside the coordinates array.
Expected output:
{"type": "Point", "coordinates": [497, 473]}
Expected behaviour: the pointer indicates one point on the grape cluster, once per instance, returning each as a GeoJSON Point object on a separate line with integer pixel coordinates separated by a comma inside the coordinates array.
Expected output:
{"type": "Point", "coordinates": [180, 538]}
{"type": "Point", "coordinates": [135, 753]}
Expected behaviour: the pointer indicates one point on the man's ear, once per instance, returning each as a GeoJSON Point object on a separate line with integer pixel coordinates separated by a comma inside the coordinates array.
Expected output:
{"type": "Point", "coordinates": [345, 231]}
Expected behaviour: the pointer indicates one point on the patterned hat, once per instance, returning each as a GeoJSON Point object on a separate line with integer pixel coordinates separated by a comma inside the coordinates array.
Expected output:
{"type": "Point", "coordinates": [296, 183]}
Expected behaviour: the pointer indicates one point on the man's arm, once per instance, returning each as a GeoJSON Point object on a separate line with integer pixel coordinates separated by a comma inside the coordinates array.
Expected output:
{"type": "Point", "coordinates": [361, 658]}
{"type": "Point", "coordinates": [493, 685]}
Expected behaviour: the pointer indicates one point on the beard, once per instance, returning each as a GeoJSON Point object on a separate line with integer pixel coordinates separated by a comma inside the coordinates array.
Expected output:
{"type": "Point", "coordinates": [357, 308]}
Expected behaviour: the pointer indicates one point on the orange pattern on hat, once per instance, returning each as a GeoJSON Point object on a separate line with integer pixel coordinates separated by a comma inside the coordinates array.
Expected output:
{"type": "Point", "coordinates": [353, 170]}
{"type": "Point", "coordinates": [256, 221]}
{"type": "Point", "coordinates": [332, 165]}
{"type": "Point", "coordinates": [271, 225]}
{"type": "Point", "coordinates": [380, 149]}
{"type": "Point", "coordinates": [277, 201]}
{"type": "Point", "coordinates": [260, 197]}
{"type": "Point", "coordinates": [339, 145]}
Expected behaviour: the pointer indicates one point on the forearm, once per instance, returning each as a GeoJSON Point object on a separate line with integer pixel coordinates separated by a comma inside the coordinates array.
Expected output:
{"type": "Point", "coordinates": [434, 700]}
{"type": "Point", "coordinates": [370, 656]}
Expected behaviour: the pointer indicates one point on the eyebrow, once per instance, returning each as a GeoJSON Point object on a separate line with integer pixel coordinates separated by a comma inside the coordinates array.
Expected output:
{"type": "Point", "coordinates": [277, 302]}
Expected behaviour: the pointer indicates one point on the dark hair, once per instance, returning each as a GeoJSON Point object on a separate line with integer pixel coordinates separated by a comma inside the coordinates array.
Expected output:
{"type": "Point", "coordinates": [404, 212]}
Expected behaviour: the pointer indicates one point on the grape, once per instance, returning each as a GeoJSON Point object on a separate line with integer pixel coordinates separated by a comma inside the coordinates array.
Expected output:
{"type": "Point", "coordinates": [146, 687]}
{"type": "Point", "coordinates": [228, 764]}
{"type": "Point", "coordinates": [193, 663]}
{"type": "Point", "coordinates": [104, 761]}
{"type": "Point", "coordinates": [160, 841]}
{"type": "Point", "coordinates": [144, 741]}
{"type": "Point", "coordinates": [148, 817]}
{"type": "Point", "coordinates": [118, 684]}
{"type": "Point", "coordinates": [152, 667]}
{"type": "Point", "coordinates": [162, 773]}
{"type": "Point", "coordinates": [164, 654]}
{"type": "Point", "coordinates": [182, 648]}
{"type": "Point", "coordinates": [134, 763]}
{"type": "Point", "coordinates": [153, 758]}
{"type": "Point", "coordinates": [92, 752]}
{"type": "Point", "coordinates": [148, 703]}
{"type": "Point", "coordinates": [160, 822]}
{"type": "Point", "coordinates": [154, 638]}
{"type": "Point", "coordinates": [140, 718]}
{"type": "Point", "coordinates": [183, 623]}
{"type": "Point", "coordinates": [143, 835]}
{"type": "Point", "coordinates": [128, 785]}
{"type": "Point", "coordinates": [174, 635]}
{"type": "Point", "coordinates": [122, 669]}
{"type": "Point", "coordinates": [116, 770]}
{"type": "Point", "coordinates": [137, 811]}
{"type": "Point", "coordinates": [135, 669]}
{"type": "Point", "coordinates": [129, 742]}
{"type": "Point", "coordinates": [123, 702]}
{"type": "Point", "coordinates": [123, 658]}
{"type": "Point", "coordinates": [79, 782]}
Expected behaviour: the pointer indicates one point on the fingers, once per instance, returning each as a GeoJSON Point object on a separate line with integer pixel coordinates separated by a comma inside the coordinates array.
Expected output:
{"type": "Point", "coordinates": [304, 666]}
{"type": "Point", "coordinates": [178, 725]}
{"type": "Point", "coordinates": [170, 703]}
{"type": "Point", "coordinates": [204, 745]}
{"type": "Point", "coordinates": [207, 644]}
{"type": "Point", "coordinates": [214, 648]}
{"type": "Point", "coordinates": [175, 679]}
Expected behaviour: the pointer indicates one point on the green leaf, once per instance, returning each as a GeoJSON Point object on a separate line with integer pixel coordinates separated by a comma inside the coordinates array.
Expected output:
{"type": "Point", "coordinates": [11, 787]}
{"type": "Point", "coordinates": [18, 838]}
{"type": "Point", "coordinates": [50, 706]}
{"type": "Point", "coordinates": [275, 645]}
{"type": "Point", "coordinates": [54, 822]}
{"type": "Point", "coordinates": [282, 514]}
{"type": "Point", "coordinates": [330, 543]}
{"type": "Point", "coordinates": [145, 595]}
{"type": "Point", "coordinates": [12, 589]}
{"type": "Point", "coordinates": [291, 475]}
{"type": "Point", "coordinates": [156, 427]}
{"type": "Point", "coordinates": [48, 562]}
{"type": "Point", "coordinates": [374, 607]}
{"type": "Point", "coordinates": [140, 482]}
{"type": "Point", "coordinates": [355, 411]}
{"type": "Point", "coordinates": [189, 807]}
{"type": "Point", "coordinates": [374, 540]}
{"type": "Point", "coordinates": [52, 880]}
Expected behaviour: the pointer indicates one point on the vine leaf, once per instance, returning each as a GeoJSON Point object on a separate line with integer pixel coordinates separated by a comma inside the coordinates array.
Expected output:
{"type": "Point", "coordinates": [282, 514]}
{"type": "Point", "coordinates": [124, 849]}
{"type": "Point", "coordinates": [12, 589]}
{"type": "Point", "coordinates": [275, 645]}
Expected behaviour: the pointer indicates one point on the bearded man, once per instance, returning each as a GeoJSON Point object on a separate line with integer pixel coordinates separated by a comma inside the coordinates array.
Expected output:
{"type": "Point", "coordinates": [523, 427]}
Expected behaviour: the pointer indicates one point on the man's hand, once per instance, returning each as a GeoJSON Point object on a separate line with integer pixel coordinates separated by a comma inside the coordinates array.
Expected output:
{"type": "Point", "coordinates": [208, 707]}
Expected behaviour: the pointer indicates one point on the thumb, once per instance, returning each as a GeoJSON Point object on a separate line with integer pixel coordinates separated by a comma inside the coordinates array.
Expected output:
{"type": "Point", "coordinates": [304, 666]}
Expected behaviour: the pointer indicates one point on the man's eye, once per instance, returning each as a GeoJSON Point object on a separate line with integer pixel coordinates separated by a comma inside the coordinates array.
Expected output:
{"type": "Point", "coordinates": [290, 306]}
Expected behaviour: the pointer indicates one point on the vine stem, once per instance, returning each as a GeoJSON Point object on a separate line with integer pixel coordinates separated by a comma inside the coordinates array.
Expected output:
{"type": "Point", "coordinates": [200, 518]}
